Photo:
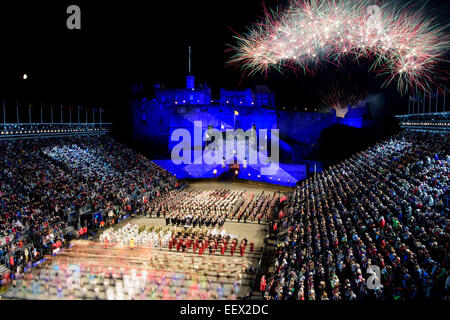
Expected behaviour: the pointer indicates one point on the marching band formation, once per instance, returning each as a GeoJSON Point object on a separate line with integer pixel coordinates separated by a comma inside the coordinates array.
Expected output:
{"type": "Point", "coordinates": [177, 238]}
{"type": "Point", "coordinates": [194, 207]}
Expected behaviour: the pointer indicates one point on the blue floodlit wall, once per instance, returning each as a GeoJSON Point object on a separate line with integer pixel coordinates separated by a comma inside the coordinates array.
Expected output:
{"type": "Point", "coordinates": [355, 117]}
{"type": "Point", "coordinates": [304, 127]}
{"type": "Point", "coordinates": [220, 118]}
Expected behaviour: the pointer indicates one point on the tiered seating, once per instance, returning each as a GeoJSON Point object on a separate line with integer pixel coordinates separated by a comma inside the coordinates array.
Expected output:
{"type": "Point", "coordinates": [386, 206]}
{"type": "Point", "coordinates": [41, 181]}
{"type": "Point", "coordinates": [140, 274]}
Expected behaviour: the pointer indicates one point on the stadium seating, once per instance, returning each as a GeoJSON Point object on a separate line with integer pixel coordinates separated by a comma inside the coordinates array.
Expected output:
{"type": "Point", "coordinates": [385, 207]}
{"type": "Point", "coordinates": [44, 182]}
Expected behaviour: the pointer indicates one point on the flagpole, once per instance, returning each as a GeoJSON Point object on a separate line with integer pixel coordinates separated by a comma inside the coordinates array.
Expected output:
{"type": "Point", "coordinates": [4, 115]}
{"type": "Point", "coordinates": [423, 102]}
{"type": "Point", "coordinates": [29, 112]}
{"type": "Point", "coordinates": [61, 113]}
{"type": "Point", "coordinates": [101, 117]}
{"type": "Point", "coordinates": [409, 104]}
{"type": "Point", "coordinates": [418, 101]}
{"type": "Point", "coordinates": [93, 115]}
{"type": "Point", "coordinates": [437, 97]}
{"type": "Point", "coordinates": [70, 115]}
{"type": "Point", "coordinates": [416, 98]}
{"type": "Point", "coordinates": [445, 91]}
{"type": "Point", "coordinates": [85, 109]}
{"type": "Point", "coordinates": [429, 107]}
{"type": "Point", "coordinates": [78, 114]}
{"type": "Point", "coordinates": [17, 112]}
{"type": "Point", "coordinates": [42, 118]}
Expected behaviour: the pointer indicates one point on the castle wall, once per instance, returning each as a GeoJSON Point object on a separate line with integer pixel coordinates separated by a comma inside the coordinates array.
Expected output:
{"type": "Point", "coordinates": [154, 123]}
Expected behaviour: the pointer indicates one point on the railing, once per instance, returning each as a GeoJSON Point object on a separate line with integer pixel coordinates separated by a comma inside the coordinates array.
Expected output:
{"type": "Point", "coordinates": [429, 114]}
{"type": "Point", "coordinates": [438, 122]}
{"type": "Point", "coordinates": [36, 130]}
{"type": "Point", "coordinates": [257, 271]}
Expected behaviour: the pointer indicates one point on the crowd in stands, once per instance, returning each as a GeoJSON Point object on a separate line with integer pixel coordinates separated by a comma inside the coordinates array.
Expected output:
{"type": "Point", "coordinates": [387, 208]}
{"type": "Point", "coordinates": [88, 271]}
{"type": "Point", "coordinates": [43, 182]}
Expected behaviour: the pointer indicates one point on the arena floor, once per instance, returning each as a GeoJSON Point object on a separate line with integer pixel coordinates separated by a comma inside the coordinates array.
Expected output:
{"type": "Point", "coordinates": [252, 231]}
{"type": "Point", "coordinates": [232, 186]}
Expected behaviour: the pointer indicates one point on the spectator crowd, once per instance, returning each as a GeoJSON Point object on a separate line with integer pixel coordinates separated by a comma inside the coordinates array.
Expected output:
{"type": "Point", "coordinates": [88, 271]}
{"type": "Point", "coordinates": [383, 209]}
{"type": "Point", "coordinates": [45, 184]}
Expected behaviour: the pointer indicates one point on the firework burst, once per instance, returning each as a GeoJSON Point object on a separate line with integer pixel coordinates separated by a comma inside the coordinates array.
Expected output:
{"type": "Point", "coordinates": [403, 45]}
{"type": "Point", "coordinates": [341, 95]}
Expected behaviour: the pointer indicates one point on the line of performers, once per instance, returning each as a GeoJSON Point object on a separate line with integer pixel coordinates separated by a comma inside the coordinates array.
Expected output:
{"type": "Point", "coordinates": [208, 220]}
{"type": "Point", "coordinates": [212, 245]}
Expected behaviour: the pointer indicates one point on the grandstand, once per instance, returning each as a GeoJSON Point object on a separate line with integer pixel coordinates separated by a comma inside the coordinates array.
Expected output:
{"type": "Point", "coordinates": [386, 206]}
{"type": "Point", "coordinates": [435, 122]}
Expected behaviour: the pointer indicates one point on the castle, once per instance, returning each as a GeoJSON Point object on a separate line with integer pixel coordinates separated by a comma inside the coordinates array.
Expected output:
{"type": "Point", "coordinates": [154, 119]}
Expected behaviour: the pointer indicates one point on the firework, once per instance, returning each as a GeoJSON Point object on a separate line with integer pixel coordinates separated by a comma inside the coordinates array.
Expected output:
{"type": "Point", "coordinates": [403, 45]}
{"type": "Point", "coordinates": [340, 96]}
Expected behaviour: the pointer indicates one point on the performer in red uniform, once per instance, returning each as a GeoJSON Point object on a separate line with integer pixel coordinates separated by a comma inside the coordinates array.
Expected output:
{"type": "Point", "coordinates": [262, 285]}
{"type": "Point", "coordinates": [189, 241]}
{"type": "Point", "coordinates": [195, 245]}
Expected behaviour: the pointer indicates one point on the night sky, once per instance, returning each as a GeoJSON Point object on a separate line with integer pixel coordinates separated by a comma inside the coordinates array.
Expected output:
{"type": "Point", "coordinates": [127, 42]}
